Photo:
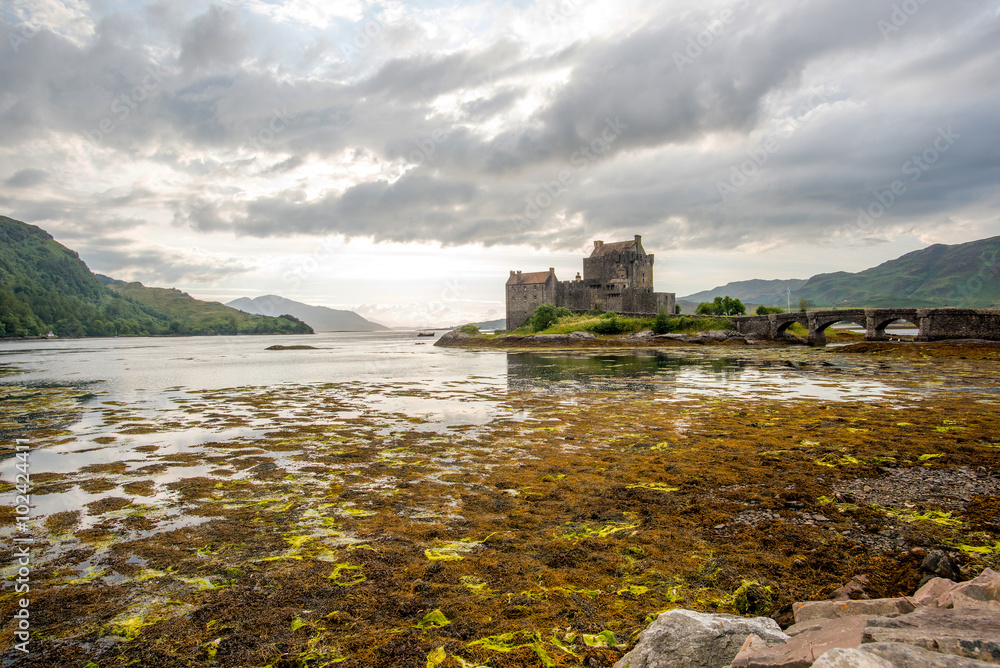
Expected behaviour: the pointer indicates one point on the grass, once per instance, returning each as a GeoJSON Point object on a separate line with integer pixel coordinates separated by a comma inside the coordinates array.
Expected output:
{"type": "Point", "coordinates": [586, 322]}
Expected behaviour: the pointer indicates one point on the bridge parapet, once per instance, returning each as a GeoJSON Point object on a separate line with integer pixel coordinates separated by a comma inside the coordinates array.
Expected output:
{"type": "Point", "coordinates": [932, 324]}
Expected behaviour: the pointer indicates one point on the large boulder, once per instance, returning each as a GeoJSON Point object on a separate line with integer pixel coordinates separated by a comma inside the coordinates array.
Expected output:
{"type": "Point", "coordinates": [980, 592]}
{"type": "Point", "coordinates": [688, 639]}
{"type": "Point", "coordinates": [807, 641]}
{"type": "Point", "coordinates": [938, 564]}
{"type": "Point", "coordinates": [932, 591]}
{"type": "Point", "coordinates": [811, 610]}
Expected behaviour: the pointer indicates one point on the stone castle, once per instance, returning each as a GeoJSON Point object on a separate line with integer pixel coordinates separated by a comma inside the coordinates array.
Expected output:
{"type": "Point", "coordinates": [616, 277]}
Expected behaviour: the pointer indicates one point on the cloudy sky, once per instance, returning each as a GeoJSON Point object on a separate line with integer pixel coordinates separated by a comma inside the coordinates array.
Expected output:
{"type": "Point", "coordinates": [399, 158]}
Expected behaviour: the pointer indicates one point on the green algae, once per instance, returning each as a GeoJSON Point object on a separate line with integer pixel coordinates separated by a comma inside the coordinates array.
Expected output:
{"type": "Point", "coordinates": [655, 486]}
{"type": "Point", "coordinates": [585, 550]}
{"type": "Point", "coordinates": [344, 575]}
{"type": "Point", "coordinates": [435, 619]}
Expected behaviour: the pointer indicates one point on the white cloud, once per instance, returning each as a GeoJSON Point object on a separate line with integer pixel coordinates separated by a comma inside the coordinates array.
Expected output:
{"type": "Point", "coordinates": [311, 13]}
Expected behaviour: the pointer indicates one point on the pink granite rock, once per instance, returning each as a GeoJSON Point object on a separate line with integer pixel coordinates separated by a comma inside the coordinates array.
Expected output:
{"type": "Point", "coordinates": [810, 641]}
{"type": "Point", "coordinates": [811, 610]}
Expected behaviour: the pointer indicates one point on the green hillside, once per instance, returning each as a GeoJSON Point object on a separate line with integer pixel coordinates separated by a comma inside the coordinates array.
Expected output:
{"type": "Point", "coordinates": [189, 315]}
{"type": "Point", "coordinates": [754, 291]}
{"type": "Point", "coordinates": [962, 275]}
{"type": "Point", "coordinates": [45, 287]}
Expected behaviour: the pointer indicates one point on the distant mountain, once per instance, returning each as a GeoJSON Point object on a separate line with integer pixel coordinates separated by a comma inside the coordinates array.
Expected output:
{"type": "Point", "coordinates": [492, 324]}
{"type": "Point", "coordinates": [485, 325]}
{"type": "Point", "coordinates": [755, 291]}
{"type": "Point", "coordinates": [193, 316]}
{"type": "Point", "coordinates": [321, 318]}
{"type": "Point", "coordinates": [45, 287]}
{"type": "Point", "coordinates": [964, 275]}
{"type": "Point", "coordinates": [961, 275]}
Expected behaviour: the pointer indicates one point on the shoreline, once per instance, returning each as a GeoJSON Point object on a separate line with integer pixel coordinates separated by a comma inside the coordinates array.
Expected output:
{"type": "Point", "coordinates": [842, 343]}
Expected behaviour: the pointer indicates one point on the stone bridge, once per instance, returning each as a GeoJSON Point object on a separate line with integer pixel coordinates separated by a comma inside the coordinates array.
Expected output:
{"type": "Point", "coordinates": [933, 324]}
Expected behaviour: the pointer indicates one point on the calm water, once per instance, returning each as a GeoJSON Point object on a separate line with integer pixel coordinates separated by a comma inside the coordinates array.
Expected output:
{"type": "Point", "coordinates": [158, 408]}
{"type": "Point", "coordinates": [152, 371]}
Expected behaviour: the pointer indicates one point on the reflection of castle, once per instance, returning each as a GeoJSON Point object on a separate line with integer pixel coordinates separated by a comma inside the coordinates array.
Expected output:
{"type": "Point", "coordinates": [616, 277]}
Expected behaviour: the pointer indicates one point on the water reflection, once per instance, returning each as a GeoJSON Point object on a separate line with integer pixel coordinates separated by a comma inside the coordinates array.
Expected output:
{"type": "Point", "coordinates": [687, 374]}
{"type": "Point", "coordinates": [645, 369]}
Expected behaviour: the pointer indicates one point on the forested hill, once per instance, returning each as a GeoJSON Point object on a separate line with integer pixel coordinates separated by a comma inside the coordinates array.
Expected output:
{"type": "Point", "coordinates": [46, 287]}
{"type": "Point", "coordinates": [960, 275]}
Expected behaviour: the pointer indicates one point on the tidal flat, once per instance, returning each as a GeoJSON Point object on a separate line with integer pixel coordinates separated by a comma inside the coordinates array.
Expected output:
{"type": "Point", "coordinates": [541, 515]}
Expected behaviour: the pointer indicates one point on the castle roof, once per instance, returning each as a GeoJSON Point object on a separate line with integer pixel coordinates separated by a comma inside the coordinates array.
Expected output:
{"type": "Point", "coordinates": [529, 278]}
{"type": "Point", "coordinates": [615, 247]}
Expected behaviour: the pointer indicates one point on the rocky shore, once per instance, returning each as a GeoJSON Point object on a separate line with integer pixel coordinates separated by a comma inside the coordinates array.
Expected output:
{"type": "Point", "coordinates": [851, 343]}
{"type": "Point", "coordinates": [945, 624]}
{"type": "Point", "coordinates": [458, 338]}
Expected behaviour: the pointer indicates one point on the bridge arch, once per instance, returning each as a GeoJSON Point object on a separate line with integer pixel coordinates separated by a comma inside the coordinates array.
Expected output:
{"type": "Point", "coordinates": [878, 322]}
{"type": "Point", "coordinates": [781, 322]}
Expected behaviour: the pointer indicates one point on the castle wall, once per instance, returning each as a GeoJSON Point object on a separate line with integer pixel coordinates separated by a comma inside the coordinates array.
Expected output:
{"type": "Point", "coordinates": [575, 295]}
{"type": "Point", "coordinates": [524, 299]}
{"type": "Point", "coordinates": [617, 277]}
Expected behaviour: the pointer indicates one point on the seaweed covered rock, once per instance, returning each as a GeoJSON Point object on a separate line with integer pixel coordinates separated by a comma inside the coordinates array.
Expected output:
{"type": "Point", "coordinates": [454, 337]}
{"type": "Point", "coordinates": [688, 639]}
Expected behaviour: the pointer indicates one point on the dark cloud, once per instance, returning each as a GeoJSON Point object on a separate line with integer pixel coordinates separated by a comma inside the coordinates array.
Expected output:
{"type": "Point", "coordinates": [463, 145]}
{"type": "Point", "coordinates": [216, 38]}
{"type": "Point", "coordinates": [27, 178]}
{"type": "Point", "coordinates": [156, 266]}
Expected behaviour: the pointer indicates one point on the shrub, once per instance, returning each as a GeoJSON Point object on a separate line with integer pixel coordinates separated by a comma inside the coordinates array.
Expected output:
{"type": "Point", "coordinates": [469, 329]}
{"type": "Point", "coordinates": [545, 316]}
{"type": "Point", "coordinates": [722, 306]}
{"type": "Point", "coordinates": [661, 325]}
{"type": "Point", "coordinates": [608, 325]}
{"type": "Point", "coordinates": [768, 310]}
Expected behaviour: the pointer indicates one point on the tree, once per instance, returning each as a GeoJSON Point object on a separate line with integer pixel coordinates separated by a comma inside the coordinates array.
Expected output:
{"type": "Point", "coordinates": [545, 316]}
{"type": "Point", "coordinates": [706, 308]}
{"type": "Point", "coordinates": [661, 325]}
{"type": "Point", "coordinates": [805, 304]}
{"type": "Point", "coordinates": [722, 306]}
{"type": "Point", "coordinates": [733, 306]}
{"type": "Point", "coordinates": [677, 309]}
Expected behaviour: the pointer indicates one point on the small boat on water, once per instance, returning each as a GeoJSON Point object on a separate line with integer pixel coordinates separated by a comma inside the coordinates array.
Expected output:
{"type": "Point", "coordinates": [425, 333]}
